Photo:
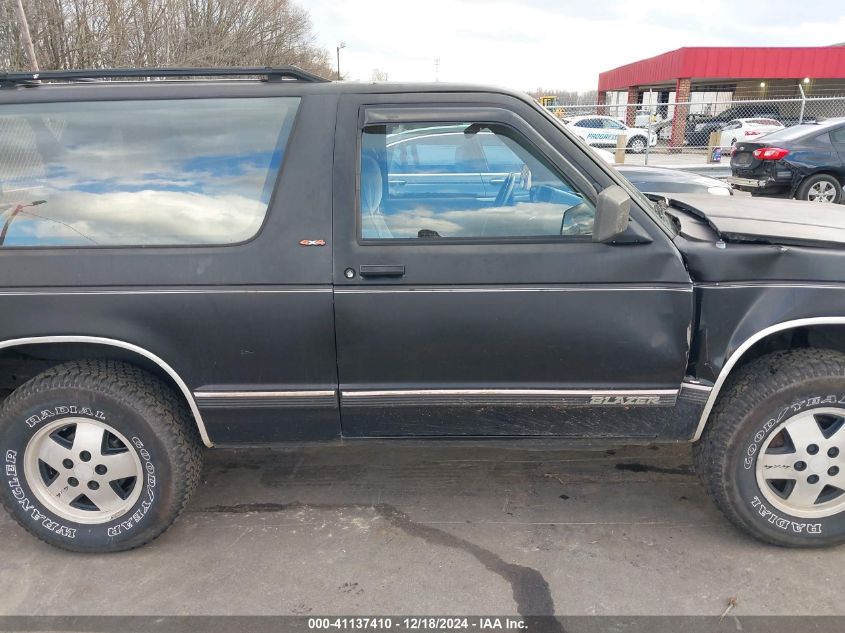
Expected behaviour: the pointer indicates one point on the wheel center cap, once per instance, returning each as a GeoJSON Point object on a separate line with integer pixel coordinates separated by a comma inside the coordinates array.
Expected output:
{"type": "Point", "coordinates": [84, 472]}
{"type": "Point", "coordinates": [819, 464]}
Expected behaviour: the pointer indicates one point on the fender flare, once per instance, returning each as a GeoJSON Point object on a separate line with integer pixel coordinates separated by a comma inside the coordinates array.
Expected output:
{"type": "Point", "coordinates": [740, 351]}
{"type": "Point", "coordinates": [110, 342]}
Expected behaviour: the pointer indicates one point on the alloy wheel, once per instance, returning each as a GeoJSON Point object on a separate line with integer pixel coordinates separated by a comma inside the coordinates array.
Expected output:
{"type": "Point", "coordinates": [801, 466]}
{"type": "Point", "coordinates": [822, 191]}
{"type": "Point", "coordinates": [83, 470]}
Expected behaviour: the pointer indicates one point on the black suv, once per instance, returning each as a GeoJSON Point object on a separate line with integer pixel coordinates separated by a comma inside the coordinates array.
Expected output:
{"type": "Point", "coordinates": [196, 262]}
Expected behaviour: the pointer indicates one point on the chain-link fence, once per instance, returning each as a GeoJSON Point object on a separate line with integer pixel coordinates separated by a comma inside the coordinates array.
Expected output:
{"type": "Point", "coordinates": [690, 132]}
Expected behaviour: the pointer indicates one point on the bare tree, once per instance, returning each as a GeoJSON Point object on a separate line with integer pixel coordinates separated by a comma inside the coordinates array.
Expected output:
{"type": "Point", "coordinates": [26, 37]}
{"type": "Point", "coordinates": [131, 33]}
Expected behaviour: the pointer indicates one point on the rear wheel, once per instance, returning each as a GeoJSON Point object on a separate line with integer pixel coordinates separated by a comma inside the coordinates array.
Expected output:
{"type": "Point", "coordinates": [99, 456]}
{"type": "Point", "coordinates": [773, 453]}
{"type": "Point", "coordinates": [820, 188]}
{"type": "Point", "coordinates": [637, 145]}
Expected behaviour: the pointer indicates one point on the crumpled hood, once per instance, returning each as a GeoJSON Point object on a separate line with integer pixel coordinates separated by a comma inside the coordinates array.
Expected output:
{"type": "Point", "coordinates": [769, 220]}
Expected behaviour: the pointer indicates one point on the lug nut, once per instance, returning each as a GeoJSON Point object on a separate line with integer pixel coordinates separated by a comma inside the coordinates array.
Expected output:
{"type": "Point", "coordinates": [832, 451]}
{"type": "Point", "coordinates": [812, 449]}
{"type": "Point", "coordinates": [799, 466]}
{"type": "Point", "coordinates": [73, 481]}
{"type": "Point", "coordinates": [100, 469]}
{"type": "Point", "coordinates": [85, 456]}
{"type": "Point", "coordinates": [93, 485]}
{"type": "Point", "coordinates": [812, 479]}
{"type": "Point", "coordinates": [67, 463]}
{"type": "Point", "coordinates": [833, 471]}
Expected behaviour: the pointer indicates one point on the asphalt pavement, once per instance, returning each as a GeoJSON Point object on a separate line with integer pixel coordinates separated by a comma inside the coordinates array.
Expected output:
{"type": "Point", "coordinates": [382, 529]}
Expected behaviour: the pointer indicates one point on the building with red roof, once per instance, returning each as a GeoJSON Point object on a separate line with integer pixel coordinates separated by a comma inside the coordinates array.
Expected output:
{"type": "Point", "coordinates": [743, 72]}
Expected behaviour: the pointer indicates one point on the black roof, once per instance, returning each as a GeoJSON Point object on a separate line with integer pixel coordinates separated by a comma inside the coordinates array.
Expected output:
{"type": "Point", "coordinates": [96, 79]}
{"type": "Point", "coordinates": [267, 73]}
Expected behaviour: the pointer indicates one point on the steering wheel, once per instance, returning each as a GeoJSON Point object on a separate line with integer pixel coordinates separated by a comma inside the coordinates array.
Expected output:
{"type": "Point", "coordinates": [505, 195]}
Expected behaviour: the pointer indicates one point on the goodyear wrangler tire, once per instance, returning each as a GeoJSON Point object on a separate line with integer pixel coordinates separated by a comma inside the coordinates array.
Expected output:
{"type": "Point", "coordinates": [773, 452]}
{"type": "Point", "coordinates": [99, 456]}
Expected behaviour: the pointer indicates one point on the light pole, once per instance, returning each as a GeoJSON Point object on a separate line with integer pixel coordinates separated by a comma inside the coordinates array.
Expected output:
{"type": "Point", "coordinates": [23, 25]}
{"type": "Point", "coordinates": [339, 46]}
{"type": "Point", "coordinates": [14, 214]}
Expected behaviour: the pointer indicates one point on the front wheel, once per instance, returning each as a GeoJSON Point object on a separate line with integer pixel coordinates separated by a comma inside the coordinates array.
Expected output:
{"type": "Point", "coordinates": [773, 452]}
{"type": "Point", "coordinates": [99, 456]}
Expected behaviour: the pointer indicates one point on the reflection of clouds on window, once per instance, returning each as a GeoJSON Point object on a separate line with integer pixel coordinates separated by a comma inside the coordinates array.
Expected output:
{"type": "Point", "coordinates": [527, 219]}
{"type": "Point", "coordinates": [141, 172]}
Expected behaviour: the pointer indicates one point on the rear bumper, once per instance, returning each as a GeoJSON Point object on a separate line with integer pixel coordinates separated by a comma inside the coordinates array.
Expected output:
{"type": "Point", "coordinates": [759, 186]}
{"type": "Point", "coordinates": [751, 183]}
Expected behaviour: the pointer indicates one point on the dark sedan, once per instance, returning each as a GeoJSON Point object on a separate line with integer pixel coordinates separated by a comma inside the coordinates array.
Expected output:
{"type": "Point", "coordinates": [806, 162]}
{"type": "Point", "coordinates": [665, 180]}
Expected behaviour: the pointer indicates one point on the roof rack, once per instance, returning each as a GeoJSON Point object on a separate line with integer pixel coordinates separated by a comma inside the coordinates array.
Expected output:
{"type": "Point", "coordinates": [280, 73]}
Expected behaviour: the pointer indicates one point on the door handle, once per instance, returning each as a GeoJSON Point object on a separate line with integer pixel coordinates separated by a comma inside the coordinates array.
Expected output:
{"type": "Point", "coordinates": [376, 270]}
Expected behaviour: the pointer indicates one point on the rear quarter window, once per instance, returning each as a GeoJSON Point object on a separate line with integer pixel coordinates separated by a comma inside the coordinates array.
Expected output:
{"type": "Point", "coordinates": [139, 173]}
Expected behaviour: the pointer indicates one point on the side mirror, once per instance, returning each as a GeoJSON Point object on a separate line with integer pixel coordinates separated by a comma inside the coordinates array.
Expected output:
{"type": "Point", "coordinates": [613, 210]}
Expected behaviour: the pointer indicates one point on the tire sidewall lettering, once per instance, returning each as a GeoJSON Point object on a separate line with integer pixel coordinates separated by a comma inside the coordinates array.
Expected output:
{"type": "Point", "coordinates": [28, 505]}
{"type": "Point", "coordinates": [30, 509]}
{"type": "Point", "coordinates": [62, 411]}
{"type": "Point", "coordinates": [757, 505]}
{"type": "Point", "coordinates": [147, 496]}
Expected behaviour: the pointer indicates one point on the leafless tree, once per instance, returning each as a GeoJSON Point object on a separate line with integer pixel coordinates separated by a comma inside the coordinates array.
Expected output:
{"type": "Point", "coordinates": [127, 33]}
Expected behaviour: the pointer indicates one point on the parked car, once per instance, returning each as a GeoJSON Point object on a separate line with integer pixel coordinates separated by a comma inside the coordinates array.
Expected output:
{"type": "Point", "coordinates": [747, 130]}
{"type": "Point", "coordinates": [199, 262]}
{"type": "Point", "coordinates": [648, 117]}
{"type": "Point", "coordinates": [806, 162]}
{"type": "Point", "coordinates": [699, 126]}
{"type": "Point", "coordinates": [667, 180]}
{"type": "Point", "coordinates": [662, 180]}
{"type": "Point", "coordinates": [602, 131]}
{"type": "Point", "coordinates": [663, 129]}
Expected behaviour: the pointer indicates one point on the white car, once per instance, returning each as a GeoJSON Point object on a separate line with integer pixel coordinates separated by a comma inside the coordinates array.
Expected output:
{"type": "Point", "coordinates": [747, 130]}
{"type": "Point", "coordinates": [647, 117]}
{"type": "Point", "coordinates": [603, 130]}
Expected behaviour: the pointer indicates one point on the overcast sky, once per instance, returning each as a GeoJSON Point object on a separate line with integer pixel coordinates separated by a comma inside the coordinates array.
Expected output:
{"type": "Point", "coordinates": [552, 43]}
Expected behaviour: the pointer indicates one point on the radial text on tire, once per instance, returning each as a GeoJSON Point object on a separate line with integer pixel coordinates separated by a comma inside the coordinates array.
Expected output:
{"type": "Point", "coordinates": [773, 452]}
{"type": "Point", "coordinates": [99, 456]}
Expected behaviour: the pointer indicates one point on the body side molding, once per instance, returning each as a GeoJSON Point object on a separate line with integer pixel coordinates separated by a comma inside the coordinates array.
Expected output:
{"type": "Point", "coordinates": [528, 397]}
{"type": "Point", "coordinates": [266, 399]}
{"type": "Point", "coordinates": [740, 351]}
{"type": "Point", "coordinates": [96, 340]}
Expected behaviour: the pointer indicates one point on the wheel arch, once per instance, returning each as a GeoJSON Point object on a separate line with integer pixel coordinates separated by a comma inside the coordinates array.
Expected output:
{"type": "Point", "coordinates": [755, 342]}
{"type": "Point", "coordinates": [824, 171]}
{"type": "Point", "coordinates": [129, 352]}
